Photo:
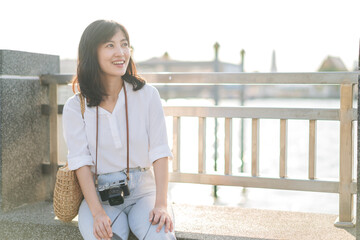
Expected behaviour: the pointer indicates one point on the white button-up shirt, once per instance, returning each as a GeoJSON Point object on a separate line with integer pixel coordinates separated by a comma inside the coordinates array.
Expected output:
{"type": "Point", "coordinates": [147, 132]}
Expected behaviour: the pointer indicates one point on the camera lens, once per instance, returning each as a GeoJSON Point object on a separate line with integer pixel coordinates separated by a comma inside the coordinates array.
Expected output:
{"type": "Point", "coordinates": [115, 196]}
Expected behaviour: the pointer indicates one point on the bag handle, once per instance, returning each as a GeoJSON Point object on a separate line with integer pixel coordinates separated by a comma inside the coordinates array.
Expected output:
{"type": "Point", "coordinates": [82, 104]}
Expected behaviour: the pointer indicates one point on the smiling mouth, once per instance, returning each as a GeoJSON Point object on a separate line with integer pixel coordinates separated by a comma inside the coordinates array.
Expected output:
{"type": "Point", "coordinates": [119, 63]}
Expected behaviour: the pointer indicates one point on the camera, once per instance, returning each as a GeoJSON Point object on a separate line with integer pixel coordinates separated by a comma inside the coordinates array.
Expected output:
{"type": "Point", "coordinates": [114, 192]}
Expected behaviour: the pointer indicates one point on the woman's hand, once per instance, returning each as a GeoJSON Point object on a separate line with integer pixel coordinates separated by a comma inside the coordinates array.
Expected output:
{"type": "Point", "coordinates": [102, 226]}
{"type": "Point", "coordinates": [160, 215]}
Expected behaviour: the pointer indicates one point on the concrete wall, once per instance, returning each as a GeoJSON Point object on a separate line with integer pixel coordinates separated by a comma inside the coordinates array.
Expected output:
{"type": "Point", "coordinates": [24, 131]}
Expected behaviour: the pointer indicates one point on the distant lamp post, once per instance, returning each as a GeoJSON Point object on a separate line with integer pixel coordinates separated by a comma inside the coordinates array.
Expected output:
{"type": "Point", "coordinates": [273, 62]}
{"type": "Point", "coordinates": [216, 100]}
{"type": "Point", "coordinates": [242, 54]}
{"type": "Point", "coordinates": [216, 60]}
{"type": "Point", "coordinates": [242, 99]}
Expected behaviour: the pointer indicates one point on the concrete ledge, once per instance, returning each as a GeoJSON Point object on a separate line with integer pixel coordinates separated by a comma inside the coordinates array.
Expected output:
{"type": "Point", "coordinates": [37, 221]}
{"type": "Point", "coordinates": [18, 230]}
{"type": "Point", "coordinates": [22, 63]}
{"type": "Point", "coordinates": [220, 222]}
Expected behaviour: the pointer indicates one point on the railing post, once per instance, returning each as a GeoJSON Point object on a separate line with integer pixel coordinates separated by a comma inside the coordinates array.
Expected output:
{"type": "Point", "coordinates": [283, 148]}
{"type": "Point", "coordinates": [228, 146]}
{"type": "Point", "coordinates": [202, 145]}
{"type": "Point", "coordinates": [345, 218]}
{"type": "Point", "coordinates": [53, 134]}
{"type": "Point", "coordinates": [255, 147]}
{"type": "Point", "coordinates": [312, 149]}
{"type": "Point", "coordinates": [176, 144]}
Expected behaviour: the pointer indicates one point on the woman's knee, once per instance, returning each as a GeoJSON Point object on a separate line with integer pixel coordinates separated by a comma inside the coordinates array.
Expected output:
{"type": "Point", "coordinates": [86, 222]}
{"type": "Point", "coordinates": [162, 235]}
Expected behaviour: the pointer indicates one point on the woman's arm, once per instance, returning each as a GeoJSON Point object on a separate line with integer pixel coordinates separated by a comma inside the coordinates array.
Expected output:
{"type": "Point", "coordinates": [160, 214]}
{"type": "Point", "coordinates": [102, 222]}
{"type": "Point", "coordinates": [80, 160]}
{"type": "Point", "coordinates": [161, 181]}
{"type": "Point", "coordinates": [159, 152]}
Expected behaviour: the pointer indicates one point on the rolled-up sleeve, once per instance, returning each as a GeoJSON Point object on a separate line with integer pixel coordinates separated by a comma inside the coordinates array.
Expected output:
{"type": "Point", "coordinates": [158, 142]}
{"type": "Point", "coordinates": [75, 135]}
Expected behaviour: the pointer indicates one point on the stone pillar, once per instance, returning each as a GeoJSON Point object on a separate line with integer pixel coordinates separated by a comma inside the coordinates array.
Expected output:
{"type": "Point", "coordinates": [24, 131]}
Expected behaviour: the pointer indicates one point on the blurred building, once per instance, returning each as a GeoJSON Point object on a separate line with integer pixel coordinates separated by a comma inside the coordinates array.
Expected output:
{"type": "Point", "coordinates": [332, 64]}
{"type": "Point", "coordinates": [166, 64]}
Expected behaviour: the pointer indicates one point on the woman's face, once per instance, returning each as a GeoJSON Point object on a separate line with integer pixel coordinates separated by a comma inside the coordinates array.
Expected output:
{"type": "Point", "coordinates": [114, 56]}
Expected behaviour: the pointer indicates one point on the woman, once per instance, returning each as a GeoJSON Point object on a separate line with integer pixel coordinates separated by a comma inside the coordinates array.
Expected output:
{"type": "Point", "coordinates": [119, 106]}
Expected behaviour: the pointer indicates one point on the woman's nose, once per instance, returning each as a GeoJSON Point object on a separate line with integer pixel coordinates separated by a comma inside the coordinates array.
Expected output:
{"type": "Point", "coordinates": [119, 51]}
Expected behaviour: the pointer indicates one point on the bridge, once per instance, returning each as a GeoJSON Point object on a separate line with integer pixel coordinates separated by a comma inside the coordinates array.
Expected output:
{"type": "Point", "coordinates": [29, 146]}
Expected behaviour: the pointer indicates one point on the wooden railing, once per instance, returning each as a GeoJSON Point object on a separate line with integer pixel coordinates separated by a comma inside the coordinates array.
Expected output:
{"type": "Point", "coordinates": [346, 114]}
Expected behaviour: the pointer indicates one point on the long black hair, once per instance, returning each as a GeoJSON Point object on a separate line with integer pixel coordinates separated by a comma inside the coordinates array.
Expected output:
{"type": "Point", "coordinates": [87, 79]}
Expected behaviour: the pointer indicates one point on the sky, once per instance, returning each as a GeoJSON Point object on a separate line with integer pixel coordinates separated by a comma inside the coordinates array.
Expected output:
{"type": "Point", "coordinates": [301, 32]}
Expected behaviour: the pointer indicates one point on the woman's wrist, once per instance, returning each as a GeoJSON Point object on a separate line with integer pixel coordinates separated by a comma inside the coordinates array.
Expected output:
{"type": "Point", "coordinates": [161, 181]}
{"type": "Point", "coordinates": [161, 204]}
{"type": "Point", "coordinates": [98, 210]}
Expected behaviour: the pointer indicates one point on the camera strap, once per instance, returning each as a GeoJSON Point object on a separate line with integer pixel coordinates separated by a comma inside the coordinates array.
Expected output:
{"type": "Point", "coordinates": [127, 138]}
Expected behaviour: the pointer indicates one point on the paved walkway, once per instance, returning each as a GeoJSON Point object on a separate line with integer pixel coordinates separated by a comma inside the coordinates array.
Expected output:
{"type": "Point", "coordinates": [241, 223]}
{"type": "Point", "coordinates": [36, 221]}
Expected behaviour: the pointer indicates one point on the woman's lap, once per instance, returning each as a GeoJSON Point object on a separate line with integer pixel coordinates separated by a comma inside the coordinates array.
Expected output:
{"type": "Point", "coordinates": [136, 217]}
{"type": "Point", "coordinates": [86, 222]}
{"type": "Point", "coordinates": [139, 220]}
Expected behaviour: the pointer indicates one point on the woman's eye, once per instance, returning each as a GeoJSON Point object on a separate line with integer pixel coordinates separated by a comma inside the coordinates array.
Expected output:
{"type": "Point", "coordinates": [125, 44]}
{"type": "Point", "coordinates": [110, 45]}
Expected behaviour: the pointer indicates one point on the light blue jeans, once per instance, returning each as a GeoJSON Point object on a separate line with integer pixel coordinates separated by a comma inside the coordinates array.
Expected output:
{"type": "Point", "coordinates": [135, 211]}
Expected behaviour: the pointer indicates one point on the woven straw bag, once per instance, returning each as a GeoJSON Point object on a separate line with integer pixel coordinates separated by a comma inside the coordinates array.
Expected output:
{"type": "Point", "coordinates": [67, 192]}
